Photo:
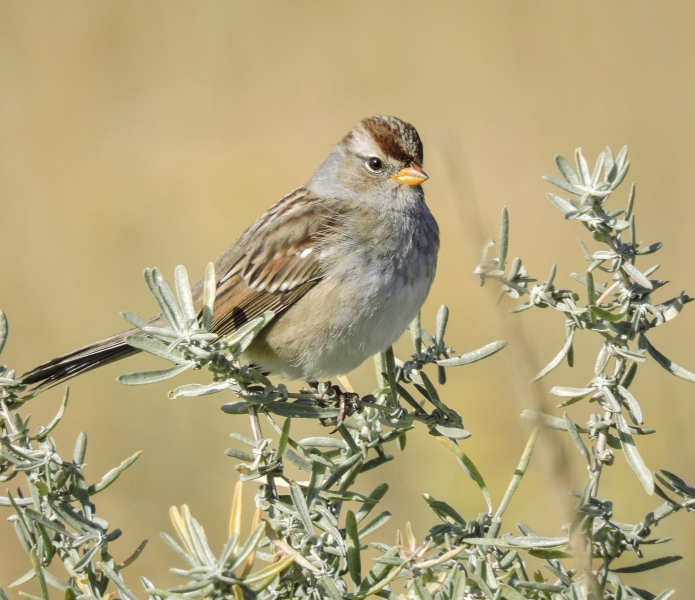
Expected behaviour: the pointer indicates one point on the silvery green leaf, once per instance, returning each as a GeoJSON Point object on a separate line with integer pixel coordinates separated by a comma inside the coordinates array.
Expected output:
{"type": "Point", "coordinates": [297, 461]}
{"type": "Point", "coordinates": [578, 442]}
{"type": "Point", "coordinates": [353, 548]}
{"type": "Point", "coordinates": [134, 319]}
{"type": "Point", "coordinates": [442, 320]}
{"type": "Point", "coordinates": [374, 524]}
{"type": "Point", "coordinates": [39, 517]}
{"type": "Point", "coordinates": [604, 255]}
{"type": "Point", "coordinates": [504, 240]}
{"type": "Point", "coordinates": [323, 441]}
{"type": "Point", "coordinates": [416, 334]}
{"type": "Point", "coordinates": [665, 595]}
{"type": "Point", "coordinates": [561, 203]}
{"type": "Point", "coordinates": [597, 169]}
{"type": "Point", "coordinates": [630, 202]}
{"type": "Point", "coordinates": [433, 396]}
{"type": "Point", "coordinates": [471, 357]}
{"type": "Point", "coordinates": [570, 392]}
{"type": "Point", "coordinates": [209, 290]}
{"type": "Point", "coordinates": [469, 468]}
{"type": "Point", "coordinates": [300, 504]}
{"type": "Point", "coordinates": [601, 360]}
{"type": "Point", "coordinates": [284, 438]}
{"type": "Point", "coordinates": [245, 334]}
{"type": "Point", "coordinates": [666, 363]}
{"type": "Point", "coordinates": [582, 279]}
{"type": "Point", "coordinates": [196, 389]}
{"type": "Point", "coordinates": [634, 356]}
{"type": "Point", "coordinates": [3, 330]}
{"type": "Point", "coordinates": [648, 565]}
{"type": "Point", "coordinates": [633, 272]}
{"type": "Point", "coordinates": [155, 347]}
{"type": "Point", "coordinates": [620, 159]}
{"type": "Point", "coordinates": [568, 187]}
{"type": "Point", "coordinates": [420, 591]}
{"type": "Point", "coordinates": [145, 377]}
{"type": "Point", "coordinates": [86, 559]}
{"type": "Point", "coordinates": [167, 304]}
{"type": "Point", "coordinates": [318, 471]}
{"type": "Point", "coordinates": [549, 420]}
{"type": "Point", "coordinates": [518, 473]}
{"type": "Point", "coordinates": [678, 485]}
{"type": "Point", "coordinates": [510, 541]}
{"type": "Point", "coordinates": [378, 493]}
{"type": "Point", "coordinates": [558, 359]}
{"type": "Point", "coordinates": [633, 407]}
{"type": "Point", "coordinates": [249, 546]}
{"type": "Point", "coordinates": [300, 411]}
{"type": "Point", "coordinates": [183, 292]}
{"type": "Point", "coordinates": [508, 593]}
{"type": "Point", "coordinates": [117, 581]}
{"type": "Point", "coordinates": [620, 176]}
{"type": "Point", "coordinates": [236, 408]}
{"type": "Point", "coordinates": [672, 308]}
{"type": "Point", "coordinates": [28, 576]}
{"type": "Point", "coordinates": [112, 475]}
{"type": "Point", "coordinates": [611, 400]}
{"type": "Point", "coordinates": [380, 576]}
{"type": "Point", "coordinates": [566, 170]}
{"type": "Point", "coordinates": [444, 511]}
{"type": "Point", "coordinates": [239, 454]}
{"type": "Point", "coordinates": [611, 317]}
{"type": "Point", "coordinates": [42, 433]}
{"type": "Point", "coordinates": [455, 433]}
{"type": "Point", "coordinates": [332, 592]}
{"type": "Point", "coordinates": [649, 249]}
{"type": "Point", "coordinates": [632, 455]}
{"type": "Point", "coordinates": [609, 163]}
{"type": "Point", "coordinates": [582, 167]}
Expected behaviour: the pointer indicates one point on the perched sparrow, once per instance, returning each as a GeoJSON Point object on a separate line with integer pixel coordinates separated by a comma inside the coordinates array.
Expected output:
{"type": "Point", "coordinates": [345, 261]}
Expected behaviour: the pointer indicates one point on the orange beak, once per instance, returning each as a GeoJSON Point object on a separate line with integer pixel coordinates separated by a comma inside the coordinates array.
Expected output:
{"type": "Point", "coordinates": [412, 175]}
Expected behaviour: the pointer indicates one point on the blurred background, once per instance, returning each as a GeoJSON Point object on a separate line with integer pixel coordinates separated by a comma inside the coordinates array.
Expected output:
{"type": "Point", "coordinates": [152, 133]}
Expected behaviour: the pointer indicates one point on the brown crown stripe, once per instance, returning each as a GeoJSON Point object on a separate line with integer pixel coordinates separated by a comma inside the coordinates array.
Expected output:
{"type": "Point", "coordinates": [397, 139]}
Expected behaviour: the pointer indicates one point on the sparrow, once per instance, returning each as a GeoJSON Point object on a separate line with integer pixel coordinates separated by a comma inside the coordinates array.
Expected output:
{"type": "Point", "coordinates": [345, 262]}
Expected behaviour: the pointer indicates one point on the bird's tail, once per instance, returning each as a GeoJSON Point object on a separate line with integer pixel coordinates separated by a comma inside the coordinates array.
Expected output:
{"type": "Point", "coordinates": [79, 361]}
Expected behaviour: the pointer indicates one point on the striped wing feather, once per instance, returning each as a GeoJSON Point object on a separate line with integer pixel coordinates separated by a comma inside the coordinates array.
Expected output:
{"type": "Point", "coordinates": [269, 267]}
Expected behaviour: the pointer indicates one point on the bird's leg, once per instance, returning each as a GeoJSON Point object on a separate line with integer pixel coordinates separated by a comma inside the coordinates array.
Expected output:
{"type": "Point", "coordinates": [348, 402]}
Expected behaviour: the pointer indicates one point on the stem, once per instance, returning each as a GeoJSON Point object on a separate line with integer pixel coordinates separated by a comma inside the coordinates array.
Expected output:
{"type": "Point", "coordinates": [9, 425]}
{"type": "Point", "coordinates": [258, 438]}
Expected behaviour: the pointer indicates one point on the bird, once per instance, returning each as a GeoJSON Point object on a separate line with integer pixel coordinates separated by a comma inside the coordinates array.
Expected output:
{"type": "Point", "coordinates": [345, 262]}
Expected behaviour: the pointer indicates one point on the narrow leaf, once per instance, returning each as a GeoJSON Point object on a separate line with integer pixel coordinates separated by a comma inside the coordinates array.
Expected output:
{"type": "Point", "coordinates": [666, 363]}
{"type": "Point", "coordinates": [300, 504]}
{"type": "Point", "coordinates": [470, 469]}
{"type": "Point", "coordinates": [112, 475]}
{"type": "Point", "coordinates": [353, 548]}
{"type": "Point", "coordinates": [518, 474]}
{"type": "Point", "coordinates": [558, 359]}
{"type": "Point", "coordinates": [145, 377]}
{"type": "Point", "coordinates": [632, 455]}
{"type": "Point", "coordinates": [183, 292]}
{"type": "Point", "coordinates": [574, 434]}
{"type": "Point", "coordinates": [474, 356]}
{"type": "Point", "coordinates": [648, 565]}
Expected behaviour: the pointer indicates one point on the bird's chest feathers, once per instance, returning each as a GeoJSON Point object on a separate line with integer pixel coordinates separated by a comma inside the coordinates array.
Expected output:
{"type": "Point", "coordinates": [384, 281]}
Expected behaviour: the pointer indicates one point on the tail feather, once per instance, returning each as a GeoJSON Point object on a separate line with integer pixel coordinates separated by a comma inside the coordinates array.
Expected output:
{"type": "Point", "coordinates": [79, 361]}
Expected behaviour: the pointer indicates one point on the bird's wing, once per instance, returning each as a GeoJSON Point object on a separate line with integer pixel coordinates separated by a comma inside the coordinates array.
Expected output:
{"type": "Point", "coordinates": [273, 263]}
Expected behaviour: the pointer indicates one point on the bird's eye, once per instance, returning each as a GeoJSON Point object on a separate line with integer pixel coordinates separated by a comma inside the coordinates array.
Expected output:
{"type": "Point", "coordinates": [374, 164]}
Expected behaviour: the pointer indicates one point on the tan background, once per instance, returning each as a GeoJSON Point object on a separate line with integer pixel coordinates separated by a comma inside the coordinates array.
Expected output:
{"type": "Point", "coordinates": [152, 133]}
